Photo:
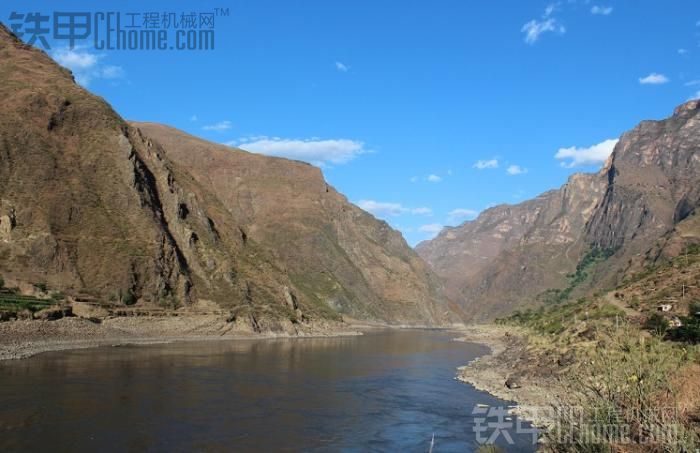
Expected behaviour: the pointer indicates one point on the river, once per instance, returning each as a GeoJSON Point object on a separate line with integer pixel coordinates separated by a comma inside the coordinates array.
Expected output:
{"type": "Point", "coordinates": [383, 391]}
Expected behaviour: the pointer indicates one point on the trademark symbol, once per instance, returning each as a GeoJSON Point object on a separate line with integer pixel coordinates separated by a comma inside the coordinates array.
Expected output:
{"type": "Point", "coordinates": [222, 12]}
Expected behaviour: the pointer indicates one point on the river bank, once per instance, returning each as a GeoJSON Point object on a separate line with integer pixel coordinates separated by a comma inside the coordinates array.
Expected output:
{"type": "Point", "coordinates": [25, 338]}
{"type": "Point", "coordinates": [515, 371]}
{"type": "Point", "coordinates": [506, 373]}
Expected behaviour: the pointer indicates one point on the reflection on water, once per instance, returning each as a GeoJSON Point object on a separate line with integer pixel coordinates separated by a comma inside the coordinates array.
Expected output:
{"type": "Point", "coordinates": [378, 392]}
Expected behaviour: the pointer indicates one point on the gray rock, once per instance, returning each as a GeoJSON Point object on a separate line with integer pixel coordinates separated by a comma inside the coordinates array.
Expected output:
{"type": "Point", "coordinates": [53, 313]}
{"type": "Point", "coordinates": [512, 383]}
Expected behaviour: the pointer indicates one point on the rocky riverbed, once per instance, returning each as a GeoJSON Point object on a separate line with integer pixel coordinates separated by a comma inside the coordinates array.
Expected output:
{"type": "Point", "coordinates": [515, 371]}
{"type": "Point", "coordinates": [24, 338]}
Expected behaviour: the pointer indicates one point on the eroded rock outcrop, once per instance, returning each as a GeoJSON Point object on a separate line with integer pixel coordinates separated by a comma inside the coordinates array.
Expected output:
{"type": "Point", "coordinates": [638, 208]}
{"type": "Point", "coordinates": [146, 215]}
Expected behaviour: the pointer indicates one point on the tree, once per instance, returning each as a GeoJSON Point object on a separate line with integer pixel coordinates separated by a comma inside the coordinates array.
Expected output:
{"type": "Point", "coordinates": [129, 298]}
{"type": "Point", "coordinates": [657, 324]}
{"type": "Point", "coordinates": [694, 309]}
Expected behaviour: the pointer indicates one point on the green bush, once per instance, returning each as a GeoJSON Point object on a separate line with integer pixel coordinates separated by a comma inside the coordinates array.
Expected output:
{"type": "Point", "coordinates": [618, 392]}
{"type": "Point", "coordinates": [657, 324]}
{"type": "Point", "coordinates": [129, 298]}
{"type": "Point", "coordinates": [635, 302]}
{"type": "Point", "coordinates": [693, 309]}
{"type": "Point", "coordinates": [689, 332]}
{"type": "Point", "coordinates": [41, 286]}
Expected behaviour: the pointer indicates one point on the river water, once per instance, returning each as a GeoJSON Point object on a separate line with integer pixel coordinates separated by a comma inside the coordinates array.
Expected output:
{"type": "Point", "coordinates": [383, 391]}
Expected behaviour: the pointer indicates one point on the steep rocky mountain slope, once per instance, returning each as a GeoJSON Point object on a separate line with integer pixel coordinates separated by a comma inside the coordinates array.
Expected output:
{"type": "Point", "coordinates": [93, 206]}
{"type": "Point", "coordinates": [510, 255]}
{"type": "Point", "coordinates": [332, 250]}
{"type": "Point", "coordinates": [653, 187]}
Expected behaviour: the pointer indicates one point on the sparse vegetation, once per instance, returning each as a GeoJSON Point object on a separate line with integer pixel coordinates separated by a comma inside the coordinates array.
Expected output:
{"type": "Point", "coordinates": [594, 256]}
{"type": "Point", "coordinates": [689, 331]}
{"type": "Point", "coordinates": [555, 319]}
{"type": "Point", "coordinates": [129, 298]}
{"type": "Point", "coordinates": [657, 324]}
{"type": "Point", "coordinates": [13, 302]}
{"type": "Point", "coordinates": [627, 397]}
{"type": "Point", "coordinates": [632, 389]}
{"type": "Point", "coordinates": [41, 286]}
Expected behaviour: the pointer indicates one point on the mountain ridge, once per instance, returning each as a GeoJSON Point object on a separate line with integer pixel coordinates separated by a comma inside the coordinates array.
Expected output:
{"type": "Point", "coordinates": [510, 255]}
{"type": "Point", "coordinates": [95, 207]}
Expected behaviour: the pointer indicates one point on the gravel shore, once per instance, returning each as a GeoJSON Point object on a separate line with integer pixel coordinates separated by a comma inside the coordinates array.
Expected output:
{"type": "Point", "coordinates": [24, 338]}
{"type": "Point", "coordinates": [509, 373]}
{"type": "Point", "coordinates": [508, 360]}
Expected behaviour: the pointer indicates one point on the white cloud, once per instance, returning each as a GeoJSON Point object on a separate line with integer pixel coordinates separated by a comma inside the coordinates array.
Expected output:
{"type": "Point", "coordinates": [462, 214]}
{"type": "Point", "coordinates": [682, 51]}
{"type": "Point", "coordinates": [193, 118]}
{"type": "Point", "coordinates": [381, 208]}
{"type": "Point", "coordinates": [432, 229]}
{"type": "Point", "coordinates": [602, 10]}
{"type": "Point", "coordinates": [551, 8]}
{"type": "Point", "coordinates": [434, 178]}
{"type": "Point", "coordinates": [516, 170]}
{"type": "Point", "coordinates": [483, 164]}
{"type": "Point", "coordinates": [535, 28]}
{"type": "Point", "coordinates": [75, 59]}
{"type": "Point", "coordinates": [653, 79]}
{"type": "Point", "coordinates": [218, 127]}
{"type": "Point", "coordinates": [421, 211]}
{"type": "Point", "coordinates": [341, 66]}
{"type": "Point", "coordinates": [112, 72]}
{"type": "Point", "coordinates": [694, 96]}
{"type": "Point", "coordinates": [692, 83]}
{"type": "Point", "coordinates": [414, 179]}
{"type": "Point", "coordinates": [86, 66]}
{"type": "Point", "coordinates": [593, 155]}
{"type": "Point", "coordinates": [313, 150]}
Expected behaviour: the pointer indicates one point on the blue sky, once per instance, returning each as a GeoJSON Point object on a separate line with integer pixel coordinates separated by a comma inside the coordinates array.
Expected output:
{"type": "Point", "coordinates": [424, 113]}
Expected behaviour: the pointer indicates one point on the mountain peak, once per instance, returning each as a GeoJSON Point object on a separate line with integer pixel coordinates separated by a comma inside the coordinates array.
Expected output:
{"type": "Point", "coordinates": [151, 215]}
{"type": "Point", "coordinates": [507, 258]}
{"type": "Point", "coordinates": [689, 107]}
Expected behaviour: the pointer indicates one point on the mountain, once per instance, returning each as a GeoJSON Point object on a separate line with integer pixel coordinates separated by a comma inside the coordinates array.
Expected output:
{"type": "Point", "coordinates": [653, 187]}
{"type": "Point", "coordinates": [332, 251]}
{"type": "Point", "coordinates": [143, 214]}
{"type": "Point", "coordinates": [589, 233]}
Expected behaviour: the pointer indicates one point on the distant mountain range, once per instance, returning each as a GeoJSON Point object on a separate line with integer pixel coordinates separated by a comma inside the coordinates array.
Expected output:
{"type": "Point", "coordinates": [585, 236]}
{"type": "Point", "coordinates": [144, 214]}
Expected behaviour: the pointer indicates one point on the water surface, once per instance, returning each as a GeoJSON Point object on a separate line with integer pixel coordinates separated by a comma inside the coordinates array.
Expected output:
{"type": "Point", "coordinates": [384, 391]}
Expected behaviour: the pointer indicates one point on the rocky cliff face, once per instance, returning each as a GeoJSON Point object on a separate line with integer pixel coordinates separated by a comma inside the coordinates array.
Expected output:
{"type": "Point", "coordinates": [653, 185]}
{"type": "Point", "coordinates": [333, 252]}
{"type": "Point", "coordinates": [511, 254]}
{"type": "Point", "coordinates": [91, 205]}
